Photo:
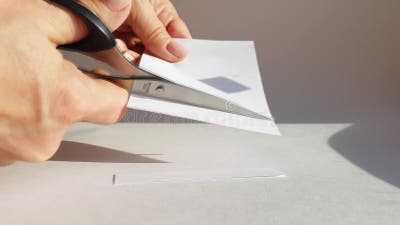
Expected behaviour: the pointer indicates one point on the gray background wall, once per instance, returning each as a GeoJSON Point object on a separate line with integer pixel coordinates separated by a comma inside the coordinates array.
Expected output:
{"type": "Point", "coordinates": [322, 61]}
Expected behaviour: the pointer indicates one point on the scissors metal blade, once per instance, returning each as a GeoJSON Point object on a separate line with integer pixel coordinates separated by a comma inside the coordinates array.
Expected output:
{"type": "Point", "coordinates": [165, 90]}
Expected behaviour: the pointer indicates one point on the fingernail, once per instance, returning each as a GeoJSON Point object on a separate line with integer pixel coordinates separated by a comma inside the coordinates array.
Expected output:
{"type": "Point", "coordinates": [117, 5]}
{"type": "Point", "coordinates": [129, 57]}
{"type": "Point", "coordinates": [176, 49]}
{"type": "Point", "coordinates": [120, 45]}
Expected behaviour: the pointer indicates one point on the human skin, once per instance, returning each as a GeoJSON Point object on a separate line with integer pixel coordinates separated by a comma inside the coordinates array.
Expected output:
{"type": "Point", "coordinates": [42, 94]}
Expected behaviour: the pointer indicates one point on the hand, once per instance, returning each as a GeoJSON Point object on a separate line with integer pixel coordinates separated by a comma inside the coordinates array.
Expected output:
{"type": "Point", "coordinates": [41, 94]}
{"type": "Point", "coordinates": [156, 22]}
{"type": "Point", "coordinates": [151, 25]}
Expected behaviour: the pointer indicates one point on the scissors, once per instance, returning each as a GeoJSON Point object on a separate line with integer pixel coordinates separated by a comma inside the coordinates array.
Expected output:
{"type": "Point", "coordinates": [100, 44]}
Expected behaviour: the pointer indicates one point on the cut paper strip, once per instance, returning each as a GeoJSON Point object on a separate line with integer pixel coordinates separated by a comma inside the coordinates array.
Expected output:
{"type": "Point", "coordinates": [195, 176]}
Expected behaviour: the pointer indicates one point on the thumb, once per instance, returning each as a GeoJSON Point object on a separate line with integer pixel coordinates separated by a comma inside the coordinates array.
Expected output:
{"type": "Point", "coordinates": [68, 27]}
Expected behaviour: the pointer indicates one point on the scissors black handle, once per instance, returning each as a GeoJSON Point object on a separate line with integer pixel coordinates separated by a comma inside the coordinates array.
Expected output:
{"type": "Point", "coordinates": [99, 37]}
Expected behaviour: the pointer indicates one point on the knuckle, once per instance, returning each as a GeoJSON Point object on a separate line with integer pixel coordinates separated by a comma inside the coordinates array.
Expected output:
{"type": "Point", "coordinates": [6, 158]}
{"type": "Point", "coordinates": [111, 120]}
{"type": "Point", "coordinates": [43, 149]}
{"type": "Point", "coordinates": [69, 107]}
{"type": "Point", "coordinates": [166, 16]}
{"type": "Point", "coordinates": [157, 35]}
{"type": "Point", "coordinates": [39, 156]}
{"type": "Point", "coordinates": [115, 116]}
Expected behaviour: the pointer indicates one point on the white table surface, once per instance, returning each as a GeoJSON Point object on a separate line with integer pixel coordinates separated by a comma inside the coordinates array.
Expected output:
{"type": "Point", "coordinates": [331, 72]}
{"type": "Point", "coordinates": [322, 186]}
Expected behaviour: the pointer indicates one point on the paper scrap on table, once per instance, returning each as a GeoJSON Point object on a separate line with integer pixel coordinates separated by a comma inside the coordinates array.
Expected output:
{"type": "Point", "coordinates": [227, 69]}
{"type": "Point", "coordinates": [196, 176]}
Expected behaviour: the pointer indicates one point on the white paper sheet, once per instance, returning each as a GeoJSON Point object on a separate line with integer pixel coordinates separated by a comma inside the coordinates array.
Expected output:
{"type": "Point", "coordinates": [196, 176]}
{"type": "Point", "coordinates": [227, 69]}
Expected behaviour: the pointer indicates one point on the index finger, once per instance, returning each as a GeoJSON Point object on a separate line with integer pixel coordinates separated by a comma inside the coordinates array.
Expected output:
{"type": "Point", "coordinates": [169, 17]}
{"type": "Point", "coordinates": [178, 29]}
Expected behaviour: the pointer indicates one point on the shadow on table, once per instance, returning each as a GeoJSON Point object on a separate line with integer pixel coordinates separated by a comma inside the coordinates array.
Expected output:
{"type": "Point", "coordinates": [80, 152]}
{"type": "Point", "coordinates": [374, 146]}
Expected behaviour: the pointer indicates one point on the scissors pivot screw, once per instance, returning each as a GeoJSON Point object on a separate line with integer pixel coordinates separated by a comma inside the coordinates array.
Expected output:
{"type": "Point", "coordinates": [160, 88]}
